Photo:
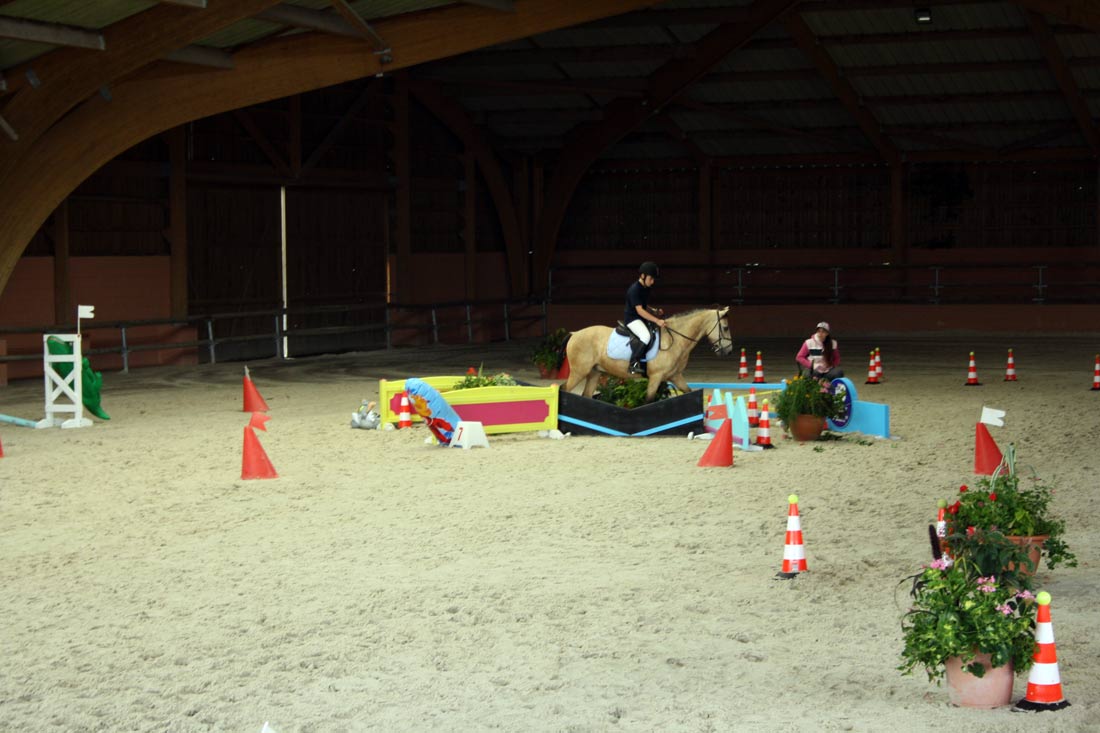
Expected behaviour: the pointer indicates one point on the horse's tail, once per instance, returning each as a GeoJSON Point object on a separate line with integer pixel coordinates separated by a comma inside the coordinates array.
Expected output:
{"type": "Point", "coordinates": [561, 351]}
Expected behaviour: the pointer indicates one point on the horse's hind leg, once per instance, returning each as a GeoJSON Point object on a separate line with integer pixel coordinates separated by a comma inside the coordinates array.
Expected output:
{"type": "Point", "coordinates": [591, 383]}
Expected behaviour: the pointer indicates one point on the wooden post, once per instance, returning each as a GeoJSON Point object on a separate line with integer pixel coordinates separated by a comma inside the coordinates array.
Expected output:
{"type": "Point", "coordinates": [62, 297]}
{"type": "Point", "coordinates": [469, 228]}
{"type": "Point", "coordinates": [403, 194]}
{"type": "Point", "coordinates": [177, 220]}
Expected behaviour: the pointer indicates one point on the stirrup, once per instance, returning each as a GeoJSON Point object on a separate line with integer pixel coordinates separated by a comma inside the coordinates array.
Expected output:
{"type": "Point", "coordinates": [637, 368]}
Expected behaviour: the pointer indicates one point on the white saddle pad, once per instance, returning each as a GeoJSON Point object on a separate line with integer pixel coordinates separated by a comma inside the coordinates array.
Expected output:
{"type": "Point", "coordinates": [618, 347]}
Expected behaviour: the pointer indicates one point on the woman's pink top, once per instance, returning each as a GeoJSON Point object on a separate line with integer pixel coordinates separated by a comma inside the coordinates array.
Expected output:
{"type": "Point", "coordinates": [812, 357]}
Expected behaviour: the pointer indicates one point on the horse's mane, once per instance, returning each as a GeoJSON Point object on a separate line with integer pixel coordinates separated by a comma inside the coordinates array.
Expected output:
{"type": "Point", "coordinates": [692, 313]}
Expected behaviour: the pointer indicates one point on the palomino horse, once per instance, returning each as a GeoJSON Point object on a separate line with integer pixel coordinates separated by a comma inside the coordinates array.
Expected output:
{"type": "Point", "coordinates": [587, 351]}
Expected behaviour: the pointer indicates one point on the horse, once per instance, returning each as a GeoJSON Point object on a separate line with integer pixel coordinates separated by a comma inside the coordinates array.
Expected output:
{"type": "Point", "coordinates": [586, 350]}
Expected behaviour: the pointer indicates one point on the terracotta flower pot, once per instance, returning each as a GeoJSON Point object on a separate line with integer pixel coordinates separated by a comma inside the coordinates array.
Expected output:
{"type": "Point", "coordinates": [806, 427]}
{"type": "Point", "coordinates": [1034, 547]}
{"type": "Point", "coordinates": [547, 373]}
{"type": "Point", "coordinates": [992, 690]}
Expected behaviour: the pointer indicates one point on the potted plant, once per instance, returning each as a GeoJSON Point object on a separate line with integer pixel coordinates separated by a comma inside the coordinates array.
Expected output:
{"type": "Point", "coordinates": [627, 393]}
{"type": "Point", "coordinates": [999, 504]}
{"type": "Point", "coordinates": [970, 626]}
{"type": "Point", "coordinates": [804, 404]}
{"type": "Point", "coordinates": [547, 354]}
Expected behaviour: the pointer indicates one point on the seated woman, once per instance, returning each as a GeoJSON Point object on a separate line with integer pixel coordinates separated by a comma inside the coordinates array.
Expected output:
{"type": "Point", "coordinates": [820, 356]}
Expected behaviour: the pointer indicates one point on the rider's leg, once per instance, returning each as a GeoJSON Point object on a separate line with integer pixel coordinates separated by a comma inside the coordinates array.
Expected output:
{"type": "Point", "coordinates": [638, 344]}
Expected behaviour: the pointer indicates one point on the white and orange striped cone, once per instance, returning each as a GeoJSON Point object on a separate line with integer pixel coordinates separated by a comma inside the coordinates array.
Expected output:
{"type": "Point", "coordinates": [743, 369]}
{"type": "Point", "coordinates": [878, 364]}
{"type": "Point", "coordinates": [1044, 684]}
{"type": "Point", "coordinates": [872, 373]}
{"type": "Point", "coordinates": [758, 375]}
{"type": "Point", "coordinates": [794, 552]}
{"type": "Point", "coordinates": [1096, 374]}
{"type": "Point", "coordinates": [752, 409]}
{"type": "Point", "coordinates": [404, 419]}
{"type": "Point", "coordinates": [764, 428]}
{"type": "Point", "coordinates": [941, 519]}
{"type": "Point", "coordinates": [972, 373]}
{"type": "Point", "coordinates": [1010, 368]}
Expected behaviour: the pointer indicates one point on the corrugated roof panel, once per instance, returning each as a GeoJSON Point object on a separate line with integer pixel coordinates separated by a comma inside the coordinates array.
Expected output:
{"type": "Point", "coordinates": [1087, 78]}
{"type": "Point", "coordinates": [518, 72]}
{"type": "Point", "coordinates": [650, 147]}
{"type": "Point", "coordinates": [751, 91]}
{"type": "Point", "coordinates": [80, 13]}
{"type": "Point", "coordinates": [955, 83]}
{"type": "Point", "coordinates": [902, 19]}
{"type": "Point", "coordinates": [1079, 44]}
{"type": "Point", "coordinates": [582, 36]}
{"type": "Point", "coordinates": [504, 104]}
{"type": "Point", "coordinates": [13, 53]}
{"type": "Point", "coordinates": [770, 59]}
{"type": "Point", "coordinates": [607, 70]}
{"type": "Point", "coordinates": [948, 114]}
{"type": "Point", "coordinates": [934, 52]}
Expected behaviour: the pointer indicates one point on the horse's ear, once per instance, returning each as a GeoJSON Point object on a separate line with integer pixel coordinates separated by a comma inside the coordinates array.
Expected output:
{"type": "Point", "coordinates": [722, 313]}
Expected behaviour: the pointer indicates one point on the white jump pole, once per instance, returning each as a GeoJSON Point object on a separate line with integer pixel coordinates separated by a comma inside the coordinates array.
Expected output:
{"type": "Point", "coordinates": [65, 395]}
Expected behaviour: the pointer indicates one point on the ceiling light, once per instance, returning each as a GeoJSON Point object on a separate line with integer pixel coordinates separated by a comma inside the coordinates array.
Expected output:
{"type": "Point", "coordinates": [923, 16]}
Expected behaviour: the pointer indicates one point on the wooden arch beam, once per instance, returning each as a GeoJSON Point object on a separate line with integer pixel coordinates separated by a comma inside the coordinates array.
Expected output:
{"type": "Point", "coordinates": [622, 116]}
{"type": "Point", "coordinates": [69, 76]}
{"type": "Point", "coordinates": [159, 98]}
{"type": "Point", "coordinates": [452, 114]}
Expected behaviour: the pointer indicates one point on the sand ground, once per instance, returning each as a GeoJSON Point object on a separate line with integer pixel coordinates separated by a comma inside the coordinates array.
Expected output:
{"type": "Point", "coordinates": [585, 584]}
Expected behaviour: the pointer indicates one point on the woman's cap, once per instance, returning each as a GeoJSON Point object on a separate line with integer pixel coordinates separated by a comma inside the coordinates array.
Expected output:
{"type": "Point", "coordinates": [825, 325]}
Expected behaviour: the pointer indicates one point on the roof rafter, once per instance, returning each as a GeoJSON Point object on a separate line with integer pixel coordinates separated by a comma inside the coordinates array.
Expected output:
{"type": "Point", "coordinates": [820, 58]}
{"type": "Point", "coordinates": [357, 106]}
{"type": "Point", "coordinates": [624, 115]}
{"type": "Point", "coordinates": [54, 34]}
{"type": "Point", "coordinates": [244, 118]}
{"type": "Point", "coordinates": [362, 27]}
{"type": "Point", "coordinates": [1058, 68]}
{"type": "Point", "coordinates": [314, 20]}
{"type": "Point", "coordinates": [505, 6]}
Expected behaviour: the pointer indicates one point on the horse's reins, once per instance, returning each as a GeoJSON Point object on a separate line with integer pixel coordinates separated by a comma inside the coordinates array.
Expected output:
{"type": "Point", "coordinates": [715, 347]}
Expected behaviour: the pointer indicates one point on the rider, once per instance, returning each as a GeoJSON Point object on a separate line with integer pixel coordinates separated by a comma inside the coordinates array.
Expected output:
{"type": "Point", "coordinates": [638, 315]}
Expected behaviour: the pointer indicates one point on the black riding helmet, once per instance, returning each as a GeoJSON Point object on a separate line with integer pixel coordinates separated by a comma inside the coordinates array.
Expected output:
{"type": "Point", "coordinates": [648, 268]}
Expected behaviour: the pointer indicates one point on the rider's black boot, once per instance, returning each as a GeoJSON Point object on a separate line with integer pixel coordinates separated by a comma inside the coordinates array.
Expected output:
{"type": "Point", "coordinates": [637, 351]}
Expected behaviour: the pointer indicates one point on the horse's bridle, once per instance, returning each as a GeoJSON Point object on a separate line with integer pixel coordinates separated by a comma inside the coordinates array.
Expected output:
{"type": "Point", "coordinates": [715, 347]}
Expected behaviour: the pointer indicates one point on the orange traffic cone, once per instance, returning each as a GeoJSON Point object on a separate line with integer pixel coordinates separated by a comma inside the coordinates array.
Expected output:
{"type": "Point", "coordinates": [1044, 684]}
{"type": "Point", "coordinates": [404, 419]}
{"type": "Point", "coordinates": [754, 414]}
{"type": "Point", "coordinates": [941, 519]}
{"type": "Point", "coordinates": [253, 402]}
{"type": "Point", "coordinates": [878, 364]}
{"type": "Point", "coordinates": [987, 456]}
{"type": "Point", "coordinates": [720, 451]}
{"type": "Point", "coordinates": [758, 375]}
{"type": "Point", "coordinates": [254, 462]}
{"type": "Point", "coordinates": [872, 373]}
{"type": "Point", "coordinates": [794, 553]}
{"type": "Point", "coordinates": [764, 429]}
{"type": "Point", "coordinates": [1096, 374]}
{"type": "Point", "coordinates": [743, 369]}
{"type": "Point", "coordinates": [1010, 368]}
{"type": "Point", "coordinates": [972, 373]}
{"type": "Point", "coordinates": [257, 421]}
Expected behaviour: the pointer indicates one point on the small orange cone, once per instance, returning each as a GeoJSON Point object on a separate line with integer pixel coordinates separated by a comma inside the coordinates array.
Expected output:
{"type": "Point", "coordinates": [758, 375]}
{"type": "Point", "coordinates": [972, 373]}
{"type": "Point", "coordinates": [1044, 684]}
{"type": "Point", "coordinates": [878, 364]}
{"type": "Point", "coordinates": [1096, 374]}
{"type": "Point", "coordinates": [752, 409]}
{"type": "Point", "coordinates": [987, 456]}
{"type": "Point", "coordinates": [253, 402]}
{"type": "Point", "coordinates": [764, 428]}
{"type": "Point", "coordinates": [743, 369]}
{"type": "Point", "coordinates": [720, 451]}
{"type": "Point", "coordinates": [404, 419]}
{"type": "Point", "coordinates": [257, 421]}
{"type": "Point", "coordinates": [1010, 368]}
{"type": "Point", "coordinates": [794, 553]}
{"type": "Point", "coordinates": [872, 373]}
{"type": "Point", "coordinates": [254, 462]}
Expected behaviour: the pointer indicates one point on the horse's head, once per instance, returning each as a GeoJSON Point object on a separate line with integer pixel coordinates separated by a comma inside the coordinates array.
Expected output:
{"type": "Point", "coordinates": [721, 340]}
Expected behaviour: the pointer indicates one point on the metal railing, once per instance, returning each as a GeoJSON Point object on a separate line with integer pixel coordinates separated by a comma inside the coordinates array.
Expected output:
{"type": "Point", "coordinates": [374, 326]}
{"type": "Point", "coordinates": [758, 284]}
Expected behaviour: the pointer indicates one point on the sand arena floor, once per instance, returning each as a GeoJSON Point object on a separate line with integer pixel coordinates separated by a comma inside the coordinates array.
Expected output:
{"type": "Point", "coordinates": [586, 584]}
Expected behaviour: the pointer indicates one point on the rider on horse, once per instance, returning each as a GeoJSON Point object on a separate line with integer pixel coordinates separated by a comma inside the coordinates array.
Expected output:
{"type": "Point", "coordinates": [637, 316]}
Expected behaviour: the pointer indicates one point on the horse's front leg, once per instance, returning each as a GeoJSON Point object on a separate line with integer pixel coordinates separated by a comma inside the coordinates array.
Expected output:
{"type": "Point", "coordinates": [680, 382]}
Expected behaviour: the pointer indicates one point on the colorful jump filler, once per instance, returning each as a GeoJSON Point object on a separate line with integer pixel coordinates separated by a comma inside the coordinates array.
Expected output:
{"type": "Point", "coordinates": [439, 416]}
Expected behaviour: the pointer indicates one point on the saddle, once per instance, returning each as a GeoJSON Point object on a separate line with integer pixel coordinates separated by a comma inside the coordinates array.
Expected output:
{"type": "Point", "coordinates": [622, 330]}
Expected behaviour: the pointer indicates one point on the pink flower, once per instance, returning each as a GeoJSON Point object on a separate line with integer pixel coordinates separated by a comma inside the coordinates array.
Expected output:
{"type": "Point", "coordinates": [1005, 609]}
{"type": "Point", "coordinates": [942, 564]}
{"type": "Point", "coordinates": [1025, 595]}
